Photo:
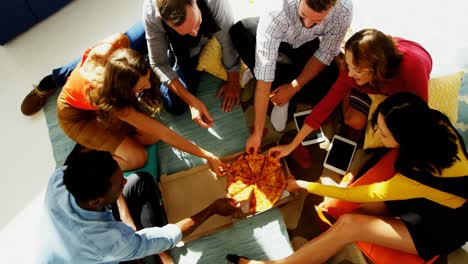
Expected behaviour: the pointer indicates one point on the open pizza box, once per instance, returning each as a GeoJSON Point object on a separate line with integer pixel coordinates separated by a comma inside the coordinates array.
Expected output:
{"type": "Point", "coordinates": [188, 192]}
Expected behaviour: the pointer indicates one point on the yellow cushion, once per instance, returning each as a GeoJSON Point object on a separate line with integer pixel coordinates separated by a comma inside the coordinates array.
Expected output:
{"type": "Point", "coordinates": [443, 96]}
{"type": "Point", "coordinates": [210, 59]}
{"type": "Point", "coordinates": [371, 140]}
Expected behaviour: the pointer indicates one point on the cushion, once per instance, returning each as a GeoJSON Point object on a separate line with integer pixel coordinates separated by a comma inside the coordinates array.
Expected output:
{"type": "Point", "coordinates": [151, 165]}
{"type": "Point", "coordinates": [210, 60]}
{"type": "Point", "coordinates": [443, 96]}
{"type": "Point", "coordinates": [462, 122]}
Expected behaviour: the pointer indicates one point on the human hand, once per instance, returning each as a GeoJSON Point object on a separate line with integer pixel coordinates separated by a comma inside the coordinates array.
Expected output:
{"type": "Point", "coordinates": [282, 94]}
{"type": "Point", "coordinates": [227, 207]}
{"type": "Point", "coordinates": [217, 166]}
{"type": "Point", "coordinates": [280, 151]}
{"type": "Point", "coordinates": [293, 185]}
{"type": "Point", "coordinates": [253, 143]}
{"type": "Point", "coordinates": [200, 114]}
{"type": "Point", "coordinates": [231, 90]}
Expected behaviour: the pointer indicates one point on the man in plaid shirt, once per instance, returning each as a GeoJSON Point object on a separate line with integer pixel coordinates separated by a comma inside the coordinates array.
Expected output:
{"type": "Point", "coordinates": [291, 48]}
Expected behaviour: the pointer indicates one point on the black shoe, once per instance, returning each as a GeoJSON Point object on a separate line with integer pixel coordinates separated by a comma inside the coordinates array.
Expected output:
{"type": "Point", "coordinates": [234, 258]}
{"type": "Point", "coordinates": [36, 99]}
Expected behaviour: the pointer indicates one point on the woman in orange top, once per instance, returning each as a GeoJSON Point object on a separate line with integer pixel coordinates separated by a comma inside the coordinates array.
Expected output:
{"type": "Point", "coordinates": [98, 106]}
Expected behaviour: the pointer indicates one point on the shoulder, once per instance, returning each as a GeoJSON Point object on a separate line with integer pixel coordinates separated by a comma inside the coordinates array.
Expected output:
{"type": "Point", "coordinates": [412, 51]}
{"type": "Point", "coordinates": [57, 178]}
{"type": "Point", "coordinates": [415, 57]}
{"type": "Point", "coordinates": [150, 11]}
{"type": "Point", "coordinates": [342, 13]}
{"type": "Point", "coordinates": [55, 187]}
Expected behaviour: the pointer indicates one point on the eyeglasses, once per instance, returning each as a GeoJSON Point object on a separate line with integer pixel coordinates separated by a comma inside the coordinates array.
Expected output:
{"type": "Point", "coordinates": [358, 71]}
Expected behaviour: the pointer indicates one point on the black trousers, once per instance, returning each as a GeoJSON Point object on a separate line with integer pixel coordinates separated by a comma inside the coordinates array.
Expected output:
{"type": "Point", "coordinates": [143, 201]}
{"type": "Point", "coordinates": [243, 35]}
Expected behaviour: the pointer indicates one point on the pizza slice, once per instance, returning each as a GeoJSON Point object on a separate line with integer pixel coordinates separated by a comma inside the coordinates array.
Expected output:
{"type": "Point", "coordinates": [255, 162]}
{"type": "Point", "coordinates": [276, 179]}
{"type": "Point", "coordinates": [265, 197]}
{"type": "Point", "coordinates": [236, 183]}
{"type": "Point", "coordinates": [271, 165]}
{"type": "Point", "coordinates": [244, 195]}
{"type": "Point", "coordinates": [240, 168]}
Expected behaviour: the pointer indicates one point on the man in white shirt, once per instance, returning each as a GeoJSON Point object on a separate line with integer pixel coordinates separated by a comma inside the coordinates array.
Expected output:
{"type": "Point", "coordinates": [291, 48]}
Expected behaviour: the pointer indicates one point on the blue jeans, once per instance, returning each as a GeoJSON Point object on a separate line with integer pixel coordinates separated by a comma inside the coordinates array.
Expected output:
{"type": "Point", "coordinates": [190, 78]}
{"type": "Point", "coordinates": [136, 35]}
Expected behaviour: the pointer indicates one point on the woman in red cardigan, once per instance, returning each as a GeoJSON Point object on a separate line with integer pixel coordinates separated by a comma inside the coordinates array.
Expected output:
{"type": "Point", "coordinates": [375, 64]}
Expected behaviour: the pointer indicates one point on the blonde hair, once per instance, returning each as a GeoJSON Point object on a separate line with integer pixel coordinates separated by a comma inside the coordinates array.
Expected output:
{"type": "Point", "coordinates": [123, 70]}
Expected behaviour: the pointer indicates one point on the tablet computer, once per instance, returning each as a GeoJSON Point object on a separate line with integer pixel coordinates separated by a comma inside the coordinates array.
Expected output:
{"type": "Point", "coordinates": [316, 136]}
{"type": "Point", "coordinates": [340, 155]}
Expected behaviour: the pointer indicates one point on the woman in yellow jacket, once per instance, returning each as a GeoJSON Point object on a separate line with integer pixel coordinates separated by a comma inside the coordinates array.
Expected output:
{"type": "Point", "coordinates": [421, 210]}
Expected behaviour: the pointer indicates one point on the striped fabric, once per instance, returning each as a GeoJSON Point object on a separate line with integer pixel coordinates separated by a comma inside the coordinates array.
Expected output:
{"type": "Point", "coordinates": [360, 101]}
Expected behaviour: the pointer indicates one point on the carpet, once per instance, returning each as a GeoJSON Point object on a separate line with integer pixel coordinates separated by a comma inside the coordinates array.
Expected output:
{"type": "Point", "coordinates": [251, 237]}
{"type": "Point", "coordinates": [227, 135]}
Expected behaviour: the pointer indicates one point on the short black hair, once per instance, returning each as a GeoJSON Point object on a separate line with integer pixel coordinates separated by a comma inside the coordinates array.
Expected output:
{"type": "Point", "coordinates": [320, 5]}
{"type": "Point", "coordinates": [88, 174]}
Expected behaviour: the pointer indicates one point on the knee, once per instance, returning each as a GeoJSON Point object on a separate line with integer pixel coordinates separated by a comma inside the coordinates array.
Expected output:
{"type": "Point", "coordinates": [237, 30]}
{"type": "Point", "coordinates": [244, 28]}
{"type": "Point", "coordinates": [354, 120]}
{"type": "Point", "coordinates": [346, 223]}
{"type": "Point", "coordinates": [137, 159]}
{"type": "Point", "coordinates": [145, 178]}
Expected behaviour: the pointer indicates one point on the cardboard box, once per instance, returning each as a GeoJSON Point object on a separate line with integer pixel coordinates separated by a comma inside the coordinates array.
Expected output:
{"type": "Point", "coordinates": [187, 192]}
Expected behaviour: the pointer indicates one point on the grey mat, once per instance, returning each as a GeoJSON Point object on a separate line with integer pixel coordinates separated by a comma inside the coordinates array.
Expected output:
{"type": "Point", "coordinates": [61, 144]}
{"type": "Point", "coordinates": [258, 237]}
{"type": "Point", "coordinates": [227, 136]}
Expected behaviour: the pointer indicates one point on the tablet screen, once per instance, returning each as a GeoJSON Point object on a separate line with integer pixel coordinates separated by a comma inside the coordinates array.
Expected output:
{"type": "Point", "coordinates": [300, 122]}
{"type": "Point", "coordinates": [340, 154]}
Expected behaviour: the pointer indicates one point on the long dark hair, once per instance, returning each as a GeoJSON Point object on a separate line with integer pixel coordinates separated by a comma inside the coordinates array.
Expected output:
{"type": "Point", "coordinates": [427, 142]}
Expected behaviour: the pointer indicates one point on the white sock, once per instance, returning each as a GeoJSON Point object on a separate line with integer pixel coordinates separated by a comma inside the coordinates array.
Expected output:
{"type": "Point", "coordinates": [279, 117]}
{"type": "Point", "coordinates": [246, 77]}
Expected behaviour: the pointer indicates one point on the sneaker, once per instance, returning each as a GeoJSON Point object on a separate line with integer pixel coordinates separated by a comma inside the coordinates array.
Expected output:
{"type": "Point", "coordinates": [36, 99]}
{"type": "Point", "coordinates": [279, 117]}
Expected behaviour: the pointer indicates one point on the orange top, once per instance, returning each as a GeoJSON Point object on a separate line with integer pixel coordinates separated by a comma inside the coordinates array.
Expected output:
{"type": "Point", "coordinates": [77, 87]}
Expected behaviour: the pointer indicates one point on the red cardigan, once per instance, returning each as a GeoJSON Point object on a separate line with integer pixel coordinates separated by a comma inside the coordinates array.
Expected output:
{"type": "Point", "coordinates": [412, 76]}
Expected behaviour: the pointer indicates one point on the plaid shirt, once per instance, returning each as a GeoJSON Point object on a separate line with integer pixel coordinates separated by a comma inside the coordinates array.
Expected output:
{"type": "Point", "coordinates": [281, 23]}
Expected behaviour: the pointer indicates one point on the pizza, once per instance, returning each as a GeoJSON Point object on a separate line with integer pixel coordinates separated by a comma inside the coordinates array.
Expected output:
{"type": "Point", "coordinates": [257, 179]}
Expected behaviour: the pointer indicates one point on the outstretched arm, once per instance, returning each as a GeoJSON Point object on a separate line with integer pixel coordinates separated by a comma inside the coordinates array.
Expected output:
{"type": "Point", "coordinates": [153, 127]}
{"type": "Point", "coordinates": [396, 188]}
{"type": "Point", "coordinates": [262, 92]}
{"type": "Point", "coordinates": [222, 206]}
